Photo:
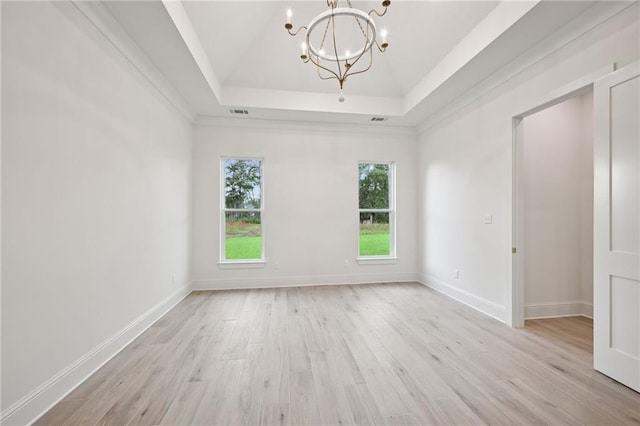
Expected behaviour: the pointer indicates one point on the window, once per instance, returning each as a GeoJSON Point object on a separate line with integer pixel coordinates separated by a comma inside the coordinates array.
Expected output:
{"type": "Point", "coordinates": [242, 208]}
{"type": "Point", "coordinates": [376, 210]}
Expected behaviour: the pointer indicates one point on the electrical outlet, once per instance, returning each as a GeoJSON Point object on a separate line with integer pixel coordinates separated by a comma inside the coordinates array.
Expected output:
{"type": "Point", "coordinates": [488, 219]}
{"type": "Point", "coordinates": [456, 274]}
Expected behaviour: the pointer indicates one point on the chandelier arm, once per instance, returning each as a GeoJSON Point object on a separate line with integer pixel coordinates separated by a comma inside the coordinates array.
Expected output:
{"type": "Point", "coordinates": [381, 49]}
{"type": "Point", "coordinates": [291, 33]}
{"type": "Point", "coordinates": [322, 77]}
{"type": "Point", "coordinates": [347, 74]}
{"type": "Point", "coordinates": [351, 69]}
{"type": "Point", "coordinates": [317, 64]}
{"type": "Point", "coordinates": [378, 13]}
{"type": "Point", "coordinates": [366, 42]}
{"type": "Point", "coordinates": [358, 72]}
{"type": "Point", "coordinates": [351, 65]}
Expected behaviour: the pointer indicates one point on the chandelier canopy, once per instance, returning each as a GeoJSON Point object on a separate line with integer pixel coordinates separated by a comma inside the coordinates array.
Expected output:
{"type": "Point", "coordinates": [331, 36]}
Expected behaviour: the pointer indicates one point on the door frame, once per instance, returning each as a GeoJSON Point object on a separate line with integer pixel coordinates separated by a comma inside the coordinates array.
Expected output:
{"type": "Point", "coordinates": [515, 293]}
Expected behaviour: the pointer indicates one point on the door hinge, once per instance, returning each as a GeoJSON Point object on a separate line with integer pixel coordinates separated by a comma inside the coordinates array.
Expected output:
{"type": "Point", "coordinates": [513, 250]}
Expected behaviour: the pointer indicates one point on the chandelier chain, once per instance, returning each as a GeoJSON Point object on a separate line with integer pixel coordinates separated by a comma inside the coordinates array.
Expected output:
{"type": "Point", "coordinates": [324, 36]}
{"type": "Point", "coordinates": [358, 22]}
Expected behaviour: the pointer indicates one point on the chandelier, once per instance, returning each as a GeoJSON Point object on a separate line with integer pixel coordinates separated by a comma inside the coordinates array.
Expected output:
{"type": "Point", "coordinates": [330, 49]}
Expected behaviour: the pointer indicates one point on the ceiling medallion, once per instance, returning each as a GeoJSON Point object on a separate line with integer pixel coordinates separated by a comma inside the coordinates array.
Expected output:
{"type": "Point", "coordinates": [331, 53]}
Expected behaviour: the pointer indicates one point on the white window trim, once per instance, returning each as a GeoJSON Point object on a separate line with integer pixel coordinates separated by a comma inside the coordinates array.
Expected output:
{"type": "Point", "coordinates": [392, 257]}
{"type": "Point", "coordinates": [376, 260]}
{"type": "Point", "coordinates": [240, 263]}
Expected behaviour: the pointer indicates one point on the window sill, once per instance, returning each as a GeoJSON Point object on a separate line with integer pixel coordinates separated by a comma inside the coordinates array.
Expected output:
{"type": "Point", "coordinates": [242, 264]}
{"type": "Point", "coordinates": [376, 260]}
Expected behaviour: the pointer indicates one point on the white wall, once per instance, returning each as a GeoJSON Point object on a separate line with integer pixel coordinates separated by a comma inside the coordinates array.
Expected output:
{"type": "Point", "coordinates": [311, 201]}
{"type": "Point", "coordinates": [557, 174]}
{"type": "Point", "coordinates": [96, 177]}
{"type": "Point", "coordinates": [465, 169]}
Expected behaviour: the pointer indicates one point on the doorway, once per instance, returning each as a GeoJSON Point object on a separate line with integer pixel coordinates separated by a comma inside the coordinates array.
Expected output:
{"type": "Point", "coordinates": [556, 172]}
{"type": "Point", "coordinates": [565, 301]}
{"type": "Point", "coordinates": [616, 270]}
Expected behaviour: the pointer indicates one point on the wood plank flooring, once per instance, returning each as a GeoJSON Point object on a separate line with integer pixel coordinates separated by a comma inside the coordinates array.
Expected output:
{"type": "Point", "coordinates": [397, 354]}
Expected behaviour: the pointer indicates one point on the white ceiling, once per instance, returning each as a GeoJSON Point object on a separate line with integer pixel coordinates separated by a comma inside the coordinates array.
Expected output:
{"type": "Point", "coordinates": [255, 51]}
{"type": "Point", "coordinates": [236, 54]}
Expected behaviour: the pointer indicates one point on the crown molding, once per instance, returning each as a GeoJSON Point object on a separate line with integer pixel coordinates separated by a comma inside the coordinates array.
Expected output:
{"type": "Point", "coordinates": [97, 15]}
{"type": "Point", "coordinates": [305, 102]}
{"type": "Point", "coordinates": [280, 126]}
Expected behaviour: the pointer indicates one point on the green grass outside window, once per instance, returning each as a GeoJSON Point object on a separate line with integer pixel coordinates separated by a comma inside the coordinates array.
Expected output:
{"type": "Point", "coordinates": [242, 243]}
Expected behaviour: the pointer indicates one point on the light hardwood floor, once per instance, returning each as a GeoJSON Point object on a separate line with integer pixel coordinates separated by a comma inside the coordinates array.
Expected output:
{"type": "Point", "coordinates": [367, 354]}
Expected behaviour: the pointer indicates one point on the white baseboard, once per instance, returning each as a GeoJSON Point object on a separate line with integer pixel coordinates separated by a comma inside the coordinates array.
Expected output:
{"type": "Point", "coordinates": [33, 405]}
{"type": "Point", "coordinates": [571, 308]}
{"type": "Point", "coordinates": [301, 281]}
{"type": "Point", "coordinates": [478, 303]}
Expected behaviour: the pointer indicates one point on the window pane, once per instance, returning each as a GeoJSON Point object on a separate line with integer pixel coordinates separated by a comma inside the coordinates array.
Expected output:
{"type": "Point", "coordinates": [243, 184]}
{"type": "Point", "coordinates": [243, 235]}
{"type": "Point", "coordinates": [374, 234]}
{"type": "Point", "coordinates": [374, 186]}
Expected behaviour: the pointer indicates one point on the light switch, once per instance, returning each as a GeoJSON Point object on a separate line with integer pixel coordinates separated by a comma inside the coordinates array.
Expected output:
{"type": "Point", "coordinates": [488, 219]}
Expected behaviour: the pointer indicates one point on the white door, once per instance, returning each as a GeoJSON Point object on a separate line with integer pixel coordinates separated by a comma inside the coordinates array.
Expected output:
{"type": "Point", "coordinates": [616, 239]}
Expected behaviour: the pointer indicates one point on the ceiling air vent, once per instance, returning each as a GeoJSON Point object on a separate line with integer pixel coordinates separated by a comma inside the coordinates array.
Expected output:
{"type": "Point", "coordinates": [378, 119]}
{"type": "Point", "coordinates": [239, 111]}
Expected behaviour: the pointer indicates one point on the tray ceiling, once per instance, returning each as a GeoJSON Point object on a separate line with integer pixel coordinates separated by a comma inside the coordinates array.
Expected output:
{"type": "Point", "coordinates": [222, 55]}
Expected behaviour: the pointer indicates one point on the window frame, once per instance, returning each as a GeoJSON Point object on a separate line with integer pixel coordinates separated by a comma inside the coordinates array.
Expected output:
{"type": "Point", "coordinates": [391, 210]}
{"type": "Point", "coordinates": [231, 263]}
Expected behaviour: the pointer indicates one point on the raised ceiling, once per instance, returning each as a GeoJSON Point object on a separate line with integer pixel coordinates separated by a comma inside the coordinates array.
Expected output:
{"type": "Point", "coordinates": [222, 55]}
{"type": "Point", "coordinates": [258, 53]}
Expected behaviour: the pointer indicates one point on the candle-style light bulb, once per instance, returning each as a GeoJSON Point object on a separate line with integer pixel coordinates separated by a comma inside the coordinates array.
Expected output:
{"type": "Point", "coordinates": [304, 48]}
{"type": "Point", "coordinates": [385, 43]}
{"type": "Point", "coordinates": [288, 25]}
